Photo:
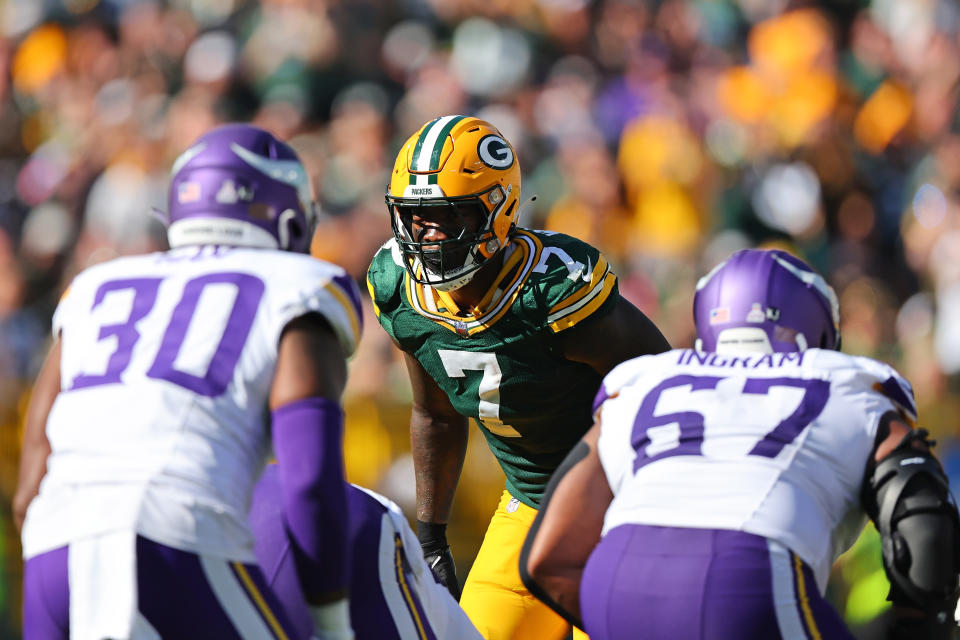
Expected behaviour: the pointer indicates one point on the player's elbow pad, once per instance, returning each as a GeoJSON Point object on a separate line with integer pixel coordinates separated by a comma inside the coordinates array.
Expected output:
{"type": "Point", "coordinates": [908, 498]}
{"type": "Point", "coordinates": [308, 442]}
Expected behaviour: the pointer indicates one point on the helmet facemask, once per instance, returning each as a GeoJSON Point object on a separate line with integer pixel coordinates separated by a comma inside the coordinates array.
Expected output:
{"type": "Point", "coordinates": [468, 238]}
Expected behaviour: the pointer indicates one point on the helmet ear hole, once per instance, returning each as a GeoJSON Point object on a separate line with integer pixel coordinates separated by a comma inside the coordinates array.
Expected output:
{"type": "Point", "coordinates": [288, 229]}
{"type": "Point", "coordinates": [296, 231]}
{"type": "Point", "coordinates": [298, 234]}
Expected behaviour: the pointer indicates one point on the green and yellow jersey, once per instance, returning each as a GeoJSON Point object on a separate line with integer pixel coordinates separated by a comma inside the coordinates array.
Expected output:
{"type": "Point", "coordinates": [501, 363]}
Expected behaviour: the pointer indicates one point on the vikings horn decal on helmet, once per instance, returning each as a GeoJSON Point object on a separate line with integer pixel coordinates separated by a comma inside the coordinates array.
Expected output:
{"type": "Point", "coordinates": [453, 198]}
{"type": "Point", "coordinates": [766, 301]}
{"type": "Point", "coordinates": [238, 185]}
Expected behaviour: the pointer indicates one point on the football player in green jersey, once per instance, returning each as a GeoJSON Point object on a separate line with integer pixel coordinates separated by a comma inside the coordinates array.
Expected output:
{"type": "Point", "coordinates": [512, 327]}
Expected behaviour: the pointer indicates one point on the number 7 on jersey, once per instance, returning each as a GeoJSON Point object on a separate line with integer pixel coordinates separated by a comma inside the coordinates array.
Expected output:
{"type": "Point", "coordinates": [457, 363]}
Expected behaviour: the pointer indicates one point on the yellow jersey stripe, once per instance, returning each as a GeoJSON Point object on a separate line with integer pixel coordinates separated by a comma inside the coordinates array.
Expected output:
{"type": "Point", "coordinates": [347, 305]}
{"type": "Point", "coordinates": [596, 276]}
{"type": "Point", "coordinates": [445, 298]}
{"type": "Point", "coordinates": [257, 598]}
{"type": "Point", "coordinates": [402, 579]}
{"type": "Point", "coordinates": [373, 298]}
{"type": "Point", "coordinates": [585, 307]}
{"type": "Point", "coordinates": [508, 265]}
{"type": "Point", "coordinates": [804, 600]}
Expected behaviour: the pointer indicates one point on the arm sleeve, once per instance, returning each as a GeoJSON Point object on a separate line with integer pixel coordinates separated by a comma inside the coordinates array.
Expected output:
{"type": "Point", "coordinates": [308, 441]}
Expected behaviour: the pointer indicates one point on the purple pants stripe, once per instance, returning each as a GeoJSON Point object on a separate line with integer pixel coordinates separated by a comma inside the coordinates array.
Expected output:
{"type": "Point", "coordinates": [258, 600]}
{"type": "Point", "coordinates": [410, 597]}
{"type": "Point", "coordinates": [804, 612]}
{"type": "Point", "coordinates": [369, 611]}
{"type": "Point", "coordinates": [699, 584]}
{"type": "Point", "coordinates": [174, 595]}
{"type": "Point", "coordinates": [178, 599]}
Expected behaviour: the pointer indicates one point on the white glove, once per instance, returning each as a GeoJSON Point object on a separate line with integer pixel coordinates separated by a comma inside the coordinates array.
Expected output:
{"type": "Point", "coordinates": [332, 621]}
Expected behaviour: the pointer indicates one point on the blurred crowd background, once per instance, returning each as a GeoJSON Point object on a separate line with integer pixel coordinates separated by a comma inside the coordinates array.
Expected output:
{"type": "Point", "coordinates": [667, 133]}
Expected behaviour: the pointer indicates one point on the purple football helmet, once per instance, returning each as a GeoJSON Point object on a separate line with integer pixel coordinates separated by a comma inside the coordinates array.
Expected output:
{"type": "Point", "coordinates": [766, 301]}
{"type": "Point", "coordinates": [238, 185]}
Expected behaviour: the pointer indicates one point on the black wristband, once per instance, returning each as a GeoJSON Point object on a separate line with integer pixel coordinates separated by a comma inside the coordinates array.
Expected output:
{"type": "Point", "coordinates": [432, 534]}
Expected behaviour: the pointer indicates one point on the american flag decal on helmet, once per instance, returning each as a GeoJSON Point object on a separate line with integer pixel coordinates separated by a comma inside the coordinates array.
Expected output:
{"type": "Point", "coordinates": [188, 192]}
{"type": "Point", "coordinates": [720, 314]}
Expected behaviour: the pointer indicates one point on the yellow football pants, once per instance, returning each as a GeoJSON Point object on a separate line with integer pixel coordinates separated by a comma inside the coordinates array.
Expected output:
{"type": "Point", "coordinates": [494, 598]}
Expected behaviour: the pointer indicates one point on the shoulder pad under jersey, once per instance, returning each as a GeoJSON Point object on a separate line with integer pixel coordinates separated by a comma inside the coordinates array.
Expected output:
{"type": "Point", "coordinates": [385, 277]}
{"type": "Point", "coordinates": [307, 285]}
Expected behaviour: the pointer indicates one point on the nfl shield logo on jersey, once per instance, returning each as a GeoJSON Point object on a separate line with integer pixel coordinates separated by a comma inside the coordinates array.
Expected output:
{"type": "Point", "coordinates": [513, 505]}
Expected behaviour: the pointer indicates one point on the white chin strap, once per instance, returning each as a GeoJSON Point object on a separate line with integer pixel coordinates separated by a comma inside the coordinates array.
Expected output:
{"type": "Point", "coordinates": [234, 233]}
{"type": "Point", "coordinates": [431, 277]}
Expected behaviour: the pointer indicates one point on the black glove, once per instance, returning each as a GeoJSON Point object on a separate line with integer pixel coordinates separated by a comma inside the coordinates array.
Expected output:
{"type": "Point", "coordinates": [436, 551]}
{"type": "Point", "coordinates": [910, 621]}
{"type": "Point", "coordinates": [926, 626]}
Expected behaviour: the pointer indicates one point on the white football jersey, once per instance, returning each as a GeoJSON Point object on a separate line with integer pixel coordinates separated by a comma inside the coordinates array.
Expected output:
{"type": "Point", "coordinates": [162, 422]}
{"type": "Point", "coordinates": [775, 445]}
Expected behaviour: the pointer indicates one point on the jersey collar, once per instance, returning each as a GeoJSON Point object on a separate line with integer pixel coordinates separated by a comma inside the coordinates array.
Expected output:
{"type": "Point", "coordinates": [439, 306]}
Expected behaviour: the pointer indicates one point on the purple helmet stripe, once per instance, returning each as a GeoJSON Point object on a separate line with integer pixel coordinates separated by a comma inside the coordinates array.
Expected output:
{"type": "Point", "coordinates": [600, 398]}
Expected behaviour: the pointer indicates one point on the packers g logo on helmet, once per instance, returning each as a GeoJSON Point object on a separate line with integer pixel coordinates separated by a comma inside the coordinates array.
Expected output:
{"type": "Point", "coordinates": [457, 180]}
{"type": "Point", "coordinates": [495, 152]}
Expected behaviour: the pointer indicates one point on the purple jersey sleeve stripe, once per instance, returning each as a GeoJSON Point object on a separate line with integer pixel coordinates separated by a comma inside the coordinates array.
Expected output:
{"type": "Point", "coordinates": [345, 291]}
{"type": "Point", "coordinates": [349, 287]}
{"type": "Point", "coordinates": [892, 388]}
{"type": "Point", "coordinates": [600, 398]}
